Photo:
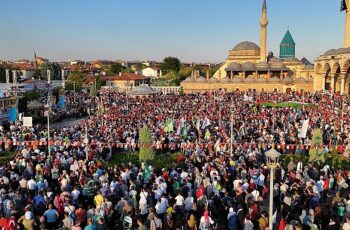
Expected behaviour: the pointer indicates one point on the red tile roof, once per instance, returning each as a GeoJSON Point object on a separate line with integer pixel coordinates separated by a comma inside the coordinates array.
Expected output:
{"type": "Point", "coordinates": [126, 77]}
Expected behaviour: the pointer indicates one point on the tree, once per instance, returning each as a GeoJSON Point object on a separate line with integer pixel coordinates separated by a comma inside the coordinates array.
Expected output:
{"type": "Point", "coordinates": [146, 151]}
{"type": "Point", "coordinates": [127, 70]}
{"type": "Point", "coordinates": [76, 77]}
{"type": "Point", "coordinates": [2, 74]}
{"type": "Point", "coordinates": [317, 153]}
{"type": "Point", "coordinates": [116, 68]}
{"type": "Point", "coordinates": [3, 68]}
{"type": "Point", "coordinates": [32, 95]}
{"type": "Point", "coordinates": [170, 64]}
{"type": "Point", "coordinates": [53, 67]}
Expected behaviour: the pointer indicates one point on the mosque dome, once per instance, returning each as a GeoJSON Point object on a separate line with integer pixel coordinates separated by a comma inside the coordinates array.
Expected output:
{"type": "Point", "coordinates": [245, 48]}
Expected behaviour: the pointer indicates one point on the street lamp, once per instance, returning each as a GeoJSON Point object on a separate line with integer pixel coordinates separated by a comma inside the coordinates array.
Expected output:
{"type": "Point", "coordinates": [74, 86]}
{"type": "Point", "coordinates": [48, 107]}
{"type": "Point", "coordinates": [272, 161]}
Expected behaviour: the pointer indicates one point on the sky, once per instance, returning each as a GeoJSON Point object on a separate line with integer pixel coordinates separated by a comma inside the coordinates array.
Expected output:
{"type": "Point", "coordinates": [192, 30]}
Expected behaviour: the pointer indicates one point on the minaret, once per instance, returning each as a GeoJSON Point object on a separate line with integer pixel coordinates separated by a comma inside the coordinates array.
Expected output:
{"type": "Point", "coordinates": [35, 60]}
{"type": "Point", "coordinates": [347, 26]}
{"type": "Point", "coordinates": [263, 34]}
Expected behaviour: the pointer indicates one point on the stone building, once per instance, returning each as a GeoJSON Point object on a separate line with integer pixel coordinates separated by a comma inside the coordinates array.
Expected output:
{"type": "Point", "coordinates": [332, 69]}
{"type": "Point", "coordinates": [249, 67]}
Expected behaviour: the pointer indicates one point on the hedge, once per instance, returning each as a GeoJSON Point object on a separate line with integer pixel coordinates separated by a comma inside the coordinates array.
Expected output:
{"type": "Point", "coordinates": [6, 157]}
{"type": "Point", "coordinates": [286, 105]}
{"type": "Point", "coordinates": [159, 162]}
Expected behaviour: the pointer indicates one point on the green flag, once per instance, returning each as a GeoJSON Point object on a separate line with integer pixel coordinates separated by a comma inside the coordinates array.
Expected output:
{"type": "Point", "coordinates": [169, 126]}
{"type": "Point", "coordinates": [185, 133]}
{"type": "Point", "coordinates": [207, 134]}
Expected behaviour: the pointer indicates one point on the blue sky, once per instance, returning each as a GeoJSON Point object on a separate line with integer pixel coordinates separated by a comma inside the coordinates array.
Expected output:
{"type": "Point", "coordinates": [193, 30]}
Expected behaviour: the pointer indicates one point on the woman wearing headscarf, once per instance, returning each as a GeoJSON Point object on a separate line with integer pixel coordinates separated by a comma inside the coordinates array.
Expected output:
{"type": "Point", "coordinates": [206, 222]}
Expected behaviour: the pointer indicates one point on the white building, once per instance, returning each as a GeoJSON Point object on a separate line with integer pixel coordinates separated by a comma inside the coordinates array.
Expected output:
{"type": "Point", "coordinates": [152, 72]}
{"type": "Point", "coordinates": [26, 73]}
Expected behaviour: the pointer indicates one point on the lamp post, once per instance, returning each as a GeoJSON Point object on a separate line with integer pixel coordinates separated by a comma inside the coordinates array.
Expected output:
{"type": "Point", "coordinates": [48, 106]}
{"type": "Point", "coordinates": [231, 135]}
{"type": "Point", "coordinates": [272, 161]}
{"type": "Point", "coordinates": [74, 86]}
{"type": "Point", "coordinates": [14, 81]}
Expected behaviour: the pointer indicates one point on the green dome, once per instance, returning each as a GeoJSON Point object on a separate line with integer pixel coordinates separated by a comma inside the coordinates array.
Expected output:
{"type": "Point", "coordinates": [287, 46]}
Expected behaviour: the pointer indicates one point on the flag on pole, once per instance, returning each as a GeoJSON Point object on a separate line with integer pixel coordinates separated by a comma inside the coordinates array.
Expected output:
{"type": "Point", "coordinates": [178, 131]}
{"type": "Point", "coordinates": [168, 126]}
{"type": "Point", "coordinates": [198, 124]}
{"type": "Point", "coordinates": [207, 134]}
{"type": "Point", "coordinates": [304, 128]}
{"type": "Point", "coordinates": [343, 6]}
{"type": "Point", "coordinates": [185, 133]}
{"type": "Point", "coordinates": [101, 109]}
{"type": "Point", "coordinates": [206, 123]}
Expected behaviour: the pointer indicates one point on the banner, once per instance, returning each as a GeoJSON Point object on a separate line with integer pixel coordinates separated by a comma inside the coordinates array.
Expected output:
{"type": "Point", "coordinates": [61, 101]}
{"type": "Point", "coordinates": [27, 121]}
{"type": "Point", "coordinates": [13, 114]}
{"type": "Point", "coordinates": [304, 128]}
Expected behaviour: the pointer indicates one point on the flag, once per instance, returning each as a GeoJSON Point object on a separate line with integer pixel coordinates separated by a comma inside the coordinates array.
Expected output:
{"type": "Point", "coordinates": [184, 133]}
{"type": "Point", "coordinates": [217, 145]}
{"type": "Point", "coordinates": [101, 109]}
{"type": "Point", "coordinates": [207, 134]}
{"type": "Point", "coordinates": [13, 114]}
{"type": "Point", "coordinates": [61, 101]}
{"type": "Point", "coordinates": [198, 124]}
{"type": "Point", "coordinates": [178, 131]}
{"type": "Point", "coordinates": [171, 125]}
{"type": "Point", "coordinates": [206, 123]}
{"type": "Point", "coordinates": [168, 126]}
{"type": "Point", "coordinates": [343, 6]}
{"type": "Point", "coordinates": [304, 128]}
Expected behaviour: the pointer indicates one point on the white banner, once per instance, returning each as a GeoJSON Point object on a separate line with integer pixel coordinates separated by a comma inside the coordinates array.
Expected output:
{"type": "Point", "coordinates": [27, 121]}
{"type": "Point", "coordinates": [304, 128]}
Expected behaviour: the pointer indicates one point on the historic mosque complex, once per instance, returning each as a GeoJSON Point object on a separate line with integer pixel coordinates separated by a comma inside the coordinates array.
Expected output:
{"type": "Point", "coordinates": [249, 66]}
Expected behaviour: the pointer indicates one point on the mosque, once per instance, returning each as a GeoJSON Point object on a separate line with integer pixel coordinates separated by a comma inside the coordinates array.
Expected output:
{"type": "Point", "coordinates": [248, 66]}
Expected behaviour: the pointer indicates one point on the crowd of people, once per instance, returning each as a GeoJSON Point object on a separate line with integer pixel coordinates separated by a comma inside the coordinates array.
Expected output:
{"type": "Point", "coordinates": [223, 183]}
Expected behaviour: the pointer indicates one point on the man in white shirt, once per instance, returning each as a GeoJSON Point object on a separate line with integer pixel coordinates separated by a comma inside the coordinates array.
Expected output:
{"type": "Point", "coordinates": [236, 183]}
{"type": "Point", "coordinates": [31, 185]}
{"type": "Point", "coordinates": [179, 200]}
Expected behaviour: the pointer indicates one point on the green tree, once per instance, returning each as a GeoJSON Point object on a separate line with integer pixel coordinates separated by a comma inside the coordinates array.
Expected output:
{"type": "Point", "coordinates": [317, 152]}
{"type": "Point", "coordinates": [76, 77]}
{"type": "Point", "coordinates": [146, 150]}
{"type": "Point", "coordinates": [127, 70]}
{"type": "Point", "coordinates": [170, 64]}
{"type": "Point", "coordinates": [32, 95]}
{"type": "Point", "coordinates": [116, 68]}
{"type": "Point", "coordinates": [2, 74]}
{"type": "Point", "coordinates": [54, 67]}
